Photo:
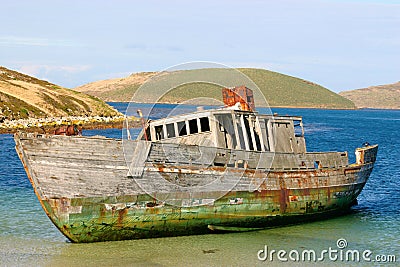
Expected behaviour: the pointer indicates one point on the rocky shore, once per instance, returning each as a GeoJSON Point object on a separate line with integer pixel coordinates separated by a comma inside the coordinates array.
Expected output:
{"type": "Point", "coordinates": [48, 125]}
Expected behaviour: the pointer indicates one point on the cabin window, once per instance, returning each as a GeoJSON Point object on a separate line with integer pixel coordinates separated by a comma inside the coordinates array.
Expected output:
{"type": "Point", "coordinates": [146, 134]}
{"type": "Point", "coordinates": [182, 128]}
{"type": "Point", "coordinates": [257, 139]}
{"type": "Point", "coordinates": [170, 130]}
{"type": "Point", "coordinates": [279, 124]}
{"type": "Point", "coordinates": [247, 128]}
{"type": "Point", "coordinates": [159, 132]}
{"type": "Point", "coordinates": [193, 126]}
{"type": "Point", "coordinates": [317, 164]}
{"type": "Point", "coordinates": [267, 146]}
{"type": "Point", "coordinates": [227, 137]}
{"type": "Point", "coordinates": [298, 130]}
{"type": "Point", "coordinates": [204, 124]}
{"type": "Point", "coordinates": [240, 132]}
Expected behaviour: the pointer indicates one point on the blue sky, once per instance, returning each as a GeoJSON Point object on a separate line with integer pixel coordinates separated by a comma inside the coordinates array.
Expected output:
{"type": "Point", "coordinates": [341, 45]}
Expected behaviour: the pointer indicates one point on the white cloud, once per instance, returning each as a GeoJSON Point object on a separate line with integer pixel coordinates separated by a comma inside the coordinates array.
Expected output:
{"type": "Point", "coordinates": [41, 71]}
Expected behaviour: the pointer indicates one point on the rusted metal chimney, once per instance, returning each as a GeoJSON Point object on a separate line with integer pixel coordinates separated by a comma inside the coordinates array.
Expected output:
{"type": "Point", "coordinates": [239, 94]}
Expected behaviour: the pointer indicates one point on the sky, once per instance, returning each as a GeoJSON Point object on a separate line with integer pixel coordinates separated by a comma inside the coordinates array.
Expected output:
{"type": "Point", "coordinates": [341, 45]}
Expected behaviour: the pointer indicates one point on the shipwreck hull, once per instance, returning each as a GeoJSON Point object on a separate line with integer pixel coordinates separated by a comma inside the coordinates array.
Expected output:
{"type": "Point", "coordinates": [90, 193]}
{"type": "Point", "coordinates": [96, 219]}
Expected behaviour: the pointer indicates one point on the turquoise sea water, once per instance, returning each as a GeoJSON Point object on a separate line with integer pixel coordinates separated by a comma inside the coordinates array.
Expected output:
{"type": "Point", "coordinates": [28, 238]}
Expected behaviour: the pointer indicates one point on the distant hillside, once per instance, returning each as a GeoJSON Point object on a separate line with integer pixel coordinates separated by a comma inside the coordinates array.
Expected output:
{"type": "Point", "coordinates": [280, 90]}
{"type": "Point", "coordinates": [380, 97]}
{"type": "Point", "coordinates": [23, 96]}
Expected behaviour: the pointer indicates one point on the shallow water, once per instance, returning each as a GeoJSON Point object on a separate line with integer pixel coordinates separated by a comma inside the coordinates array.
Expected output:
{"type": "Point", "coordinates": [28, 238]}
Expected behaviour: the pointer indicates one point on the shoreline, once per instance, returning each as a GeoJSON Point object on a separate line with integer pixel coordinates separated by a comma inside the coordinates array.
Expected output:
{"type": "Point", "coordinates": [294, 107]}
{"type": "Point", "coordinates": [49, 125]}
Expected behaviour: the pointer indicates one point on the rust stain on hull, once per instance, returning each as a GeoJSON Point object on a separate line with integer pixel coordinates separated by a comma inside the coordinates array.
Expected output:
{"type": "Point", "coordinates": [121, 218]}
{"type": "Point", "coordinates": [257, 210]}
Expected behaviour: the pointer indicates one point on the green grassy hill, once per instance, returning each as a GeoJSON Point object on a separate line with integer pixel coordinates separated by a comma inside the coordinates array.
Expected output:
{"type": "Point", "coordinates": [279, 90]}
{"type": "Point", "coordinates": [23, 96]}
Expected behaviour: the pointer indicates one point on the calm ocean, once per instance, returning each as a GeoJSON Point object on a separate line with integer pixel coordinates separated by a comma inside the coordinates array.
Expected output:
{"type": "Point", "coordinates": [28, 238]}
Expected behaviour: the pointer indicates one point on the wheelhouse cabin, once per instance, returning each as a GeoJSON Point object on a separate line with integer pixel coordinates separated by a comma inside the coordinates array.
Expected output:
{"type": "Point", "coordinates": [231, 129]}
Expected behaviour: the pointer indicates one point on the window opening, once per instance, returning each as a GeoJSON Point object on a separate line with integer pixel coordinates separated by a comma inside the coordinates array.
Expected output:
{"type": "Point", "coordinates": [204, 124]}
{"type": "Point", "coordinates": [159, 132]}
{"type": "Point", "coordinates": [317, 164]}
{"type": "Point", "coordinates": [247, 126]}
{"type": "Point", "coordinates": [240, 132]}
{"type": "Point", "coordinates": [170, 130]}
{"type": "Point", "coordinates": [298, 130]}
{"type": "Point", "coordinates": [147, 130]}
{"type": "Point", "coordinates": [258, 142]}
{"type": "Point", "coordinates": [193, 126]}
{"type": "Point", "coordinates": [266, 136]}
{"type": "Point", "coordinates": [182, 128]}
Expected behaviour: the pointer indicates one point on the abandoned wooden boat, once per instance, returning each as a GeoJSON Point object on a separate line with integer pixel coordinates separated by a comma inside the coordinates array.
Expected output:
{"type": "Point", "coordinates": [224, 169]}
